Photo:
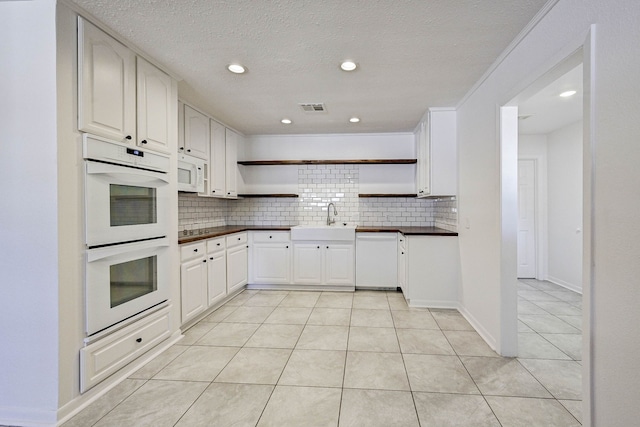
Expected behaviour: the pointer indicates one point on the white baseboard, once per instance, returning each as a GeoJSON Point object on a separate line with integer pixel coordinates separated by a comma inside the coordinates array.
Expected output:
{"type": "Point", "coordinates": [571, 286]}
{"type": "Point", "coordinates": [27, 417]}
{"type": "Point", "coordinates": [425, 303]}
{"type": "Point", "coordinates": [486, 336]}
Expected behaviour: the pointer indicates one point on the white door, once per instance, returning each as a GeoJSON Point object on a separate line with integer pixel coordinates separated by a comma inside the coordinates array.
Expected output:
{"type": "Point", "coordinates": [196, 134]}
{"type": "Point", "coordinates": [106, 85]}
{"type": "Point", "coordinates": [217, 276]}
{"type": "Point", "coordinates": [307, 264]}
{"type": "Point", "coordinates": [271, 263]}
{"type": "Point", "coordinates": [526, 219]}
{"type": "Point", "coordinates": [237, 268]}
{"type": "Point", "coordinates": [218, 159]}
{"type": "Point", "coordinates": [157, 107]}
{"type": "Point", "coordinates": [193, 283]}
{"type": "Point", "coordinates": [339, 265]}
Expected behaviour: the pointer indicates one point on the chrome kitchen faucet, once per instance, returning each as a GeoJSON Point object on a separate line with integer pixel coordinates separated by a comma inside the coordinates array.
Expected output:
{"type": "Point", "coordinates": [335, 212]}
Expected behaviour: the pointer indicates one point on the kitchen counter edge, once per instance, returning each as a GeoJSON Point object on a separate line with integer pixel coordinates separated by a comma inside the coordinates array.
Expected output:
{"type": "Point", "coordinates": [213, 232]}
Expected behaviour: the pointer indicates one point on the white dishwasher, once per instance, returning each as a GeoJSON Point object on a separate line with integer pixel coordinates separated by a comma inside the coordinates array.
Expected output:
{"type": "Point", "coordinates": [376, 260]}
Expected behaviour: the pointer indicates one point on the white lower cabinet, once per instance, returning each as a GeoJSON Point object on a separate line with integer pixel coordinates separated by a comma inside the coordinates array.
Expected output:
{"type": "Point", "coordinates": [237, 261]}
{"type": "Point", "coordinates": [193, 280]}
{"type": "Point", "coordinates": [216, 270]}
{"type": "Point", "coordinates": [326, 263]}
{"type": "Point", "coordinates": [270, 258]}
{"type": "Point", "coordinates": [432, 271]}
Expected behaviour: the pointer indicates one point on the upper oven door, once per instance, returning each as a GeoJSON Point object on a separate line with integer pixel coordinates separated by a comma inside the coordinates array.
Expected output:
{"type": "Point", "coordinates": [124, 204]}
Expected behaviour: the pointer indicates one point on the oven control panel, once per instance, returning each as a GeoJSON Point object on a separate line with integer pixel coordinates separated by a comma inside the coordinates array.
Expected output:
{"type": "Point", "coordinates": [104, 150]}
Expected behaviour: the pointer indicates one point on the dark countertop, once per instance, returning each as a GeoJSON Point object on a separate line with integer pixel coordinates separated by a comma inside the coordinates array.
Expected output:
{"type": "Point", "coordinates": [209, 233]}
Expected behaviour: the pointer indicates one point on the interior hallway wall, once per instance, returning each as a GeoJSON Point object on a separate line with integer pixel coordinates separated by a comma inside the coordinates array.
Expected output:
{"type": "Point", "coordinates": [564, 169]}
{"type": "Point", "coordinates": [611, 358]}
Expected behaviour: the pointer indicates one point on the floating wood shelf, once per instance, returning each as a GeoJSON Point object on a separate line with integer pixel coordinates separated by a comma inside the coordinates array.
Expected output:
{"type": "Point", "coordinates": [267, 195]}
{"type": "Point", "coordinates": [329, 162]}
{"type": "Point", "coordinates": [387, 195]}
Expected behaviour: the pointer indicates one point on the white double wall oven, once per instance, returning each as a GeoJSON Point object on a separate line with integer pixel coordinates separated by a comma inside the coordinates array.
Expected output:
{"type": "Point", "coordinates": [127, 229]}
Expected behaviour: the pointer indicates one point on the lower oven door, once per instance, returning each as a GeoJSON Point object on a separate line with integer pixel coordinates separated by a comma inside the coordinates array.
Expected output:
{"type": "Point", "coordinates": [124, 280]}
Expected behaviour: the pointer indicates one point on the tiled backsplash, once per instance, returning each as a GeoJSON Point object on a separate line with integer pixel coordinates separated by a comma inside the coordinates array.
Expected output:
{"type": "Point", "coordinates": [318, 185]}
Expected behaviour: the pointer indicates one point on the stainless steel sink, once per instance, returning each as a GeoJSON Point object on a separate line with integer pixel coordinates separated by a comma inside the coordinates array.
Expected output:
{"type": "Point", "coordinates": [324, 232]}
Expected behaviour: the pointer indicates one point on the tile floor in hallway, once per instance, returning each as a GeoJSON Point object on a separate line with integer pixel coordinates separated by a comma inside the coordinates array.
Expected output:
{"type": "Point", "coordinates": [279, 358]}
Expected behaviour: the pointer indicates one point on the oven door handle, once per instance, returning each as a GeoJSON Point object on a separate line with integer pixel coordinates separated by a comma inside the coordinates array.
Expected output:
{"type": "Point", "coordinates": [125, 175]}
{"type": "Point", "coordinates": [124, 251]}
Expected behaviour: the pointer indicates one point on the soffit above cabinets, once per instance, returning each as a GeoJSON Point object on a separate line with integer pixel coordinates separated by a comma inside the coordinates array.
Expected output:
{"type": "Point", "coordinates": [411, 55]}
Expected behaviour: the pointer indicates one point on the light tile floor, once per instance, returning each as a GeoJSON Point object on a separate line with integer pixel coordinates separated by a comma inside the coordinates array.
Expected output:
{"type": "Point", "coordinates": [274, 358]}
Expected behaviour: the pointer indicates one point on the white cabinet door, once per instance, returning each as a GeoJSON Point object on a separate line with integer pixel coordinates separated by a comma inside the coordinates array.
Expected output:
{"type": "Point", "coordinates": [270, 263]}
{"type": "Point", "coordinates": [196, 134]}
{"type": "Point", "coordinates": [217, 277]}
{"type": "Point", "coordinates": [217, 162]}
{"type": "Point", "coordinates": [237, 268]}
{"type": "Point", "coordinates": [193, 282]}
{"type": "Point", "coordinates": [402, 266]}
{"type": "Point", "coordinates": [436, 144]}
{"type": "Point", "coordinates": [231, 169]}
{"type": "Point", "coordinates": [157, 107]}
{"type": "Point", "coordinates": [106, 85]}
{"type": "Point", "coordinates": [433, 271]}
{"type": "Point", "coordinates": [307, 264]}
{"type": "Point", "coordinates": [339, 264]}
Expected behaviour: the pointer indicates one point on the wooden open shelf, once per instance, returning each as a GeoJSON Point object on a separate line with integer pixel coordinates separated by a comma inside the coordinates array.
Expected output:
{"type": "Point", "coordinates": [329, 162]}
{"type": "Point", "coordinates": [387, 195]}
{"type": "Point", "coordinates": [266, 195]}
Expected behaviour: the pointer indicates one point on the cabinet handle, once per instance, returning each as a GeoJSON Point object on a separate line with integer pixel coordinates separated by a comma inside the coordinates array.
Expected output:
{"type": "Point", "coordinates": [318, 247]}
{"type": "Point", "coordinates": [229, 193]}
{"type": "Point", "coordinates": [211, 258]}
{"type": "Point", "coordinates": [139, 340]}
{"type": "Point", "coordinates": [287, 247]}
{"type": "Point", "coordinates": [181, 148]}
{"type": "Point", "coordinates": [144, 141]}
{"type": "Point", "coordinates": [195, 250]}
{"type": "Point", "coordinates": [213, 191]}
{"type": "Point", "coordinates": [327, 247]}
{"type": "Point", "coordinates": [271, 237]}
{"type": "Point", "coordinates": [128, 137]}
{"type": "Point", "coordinates": [402, 253]}
{"type": "Point", "coordinates": [204, 260]}
{"type": "Point", "coordinates": [189, 150]}
{"type": "Point", "coordinates": [218, 244]}
{"type": "Point", "coordinates": [247, 246]}
{"type": "Point", "coordinates": [239, 238]}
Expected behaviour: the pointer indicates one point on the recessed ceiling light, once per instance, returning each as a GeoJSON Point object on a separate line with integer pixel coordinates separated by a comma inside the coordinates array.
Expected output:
{"type": "Point", "coordinates": [348, 65]}
{"type": "Point", "coordinates": [286, 121]}
{"type": "Point", "coordinates": [354, 120]}
{"type": "Point", "coordinates": [236, 68]}
{"type": "Point", "coordinates": [568, 93]}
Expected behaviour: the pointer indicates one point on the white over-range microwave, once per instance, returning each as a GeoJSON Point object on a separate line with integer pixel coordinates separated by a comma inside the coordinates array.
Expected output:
{"type": "Point", "coordinates": [190, 174]}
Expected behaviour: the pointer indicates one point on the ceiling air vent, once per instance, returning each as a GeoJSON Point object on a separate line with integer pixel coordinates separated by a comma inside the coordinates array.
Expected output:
{"type": "Point", "coordinates": [313, 108]}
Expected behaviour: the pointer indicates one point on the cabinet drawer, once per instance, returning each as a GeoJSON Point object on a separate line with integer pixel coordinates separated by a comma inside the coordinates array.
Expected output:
{"type": "Point", "coordinates": [215, 245]}
{"type": "Point", "coordinates": [106, 356]}
{"type": "Point", "coordinates": [192, 251]}
{"type": "Point", "coordinates": [236, 239]}
{"type": "Point", "coordinates": [273, 236]}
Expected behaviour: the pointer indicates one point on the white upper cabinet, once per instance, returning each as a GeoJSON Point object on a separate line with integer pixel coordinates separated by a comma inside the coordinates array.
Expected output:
{"type": "Point", "coordinates": [121, 96]}
{"type": "Point", "coordinates": [217, 161]}
{"type": "Point", "coordinates": [197, 134]}
{"type": "Point", "coordinates": [231, 162]}
{"type": "Point", "coordinates": [157, 107]}
{"type": "Point", "coordinates": [106, 85]}
{"type": "Point", "coordinates": [436, 143]}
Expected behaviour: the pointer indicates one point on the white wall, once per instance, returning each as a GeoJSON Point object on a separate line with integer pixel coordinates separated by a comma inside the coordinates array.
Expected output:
{"type": "Point", "coordinates": [29, 214]}
{"type": "Point", "coordinates": [564, 168]}
{"type": "Point", "coordinates": [610, 362]}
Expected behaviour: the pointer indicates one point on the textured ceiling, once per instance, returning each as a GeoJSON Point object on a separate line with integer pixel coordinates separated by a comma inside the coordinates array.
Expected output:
{"type": "Point", "coordinates": [412, 55]}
